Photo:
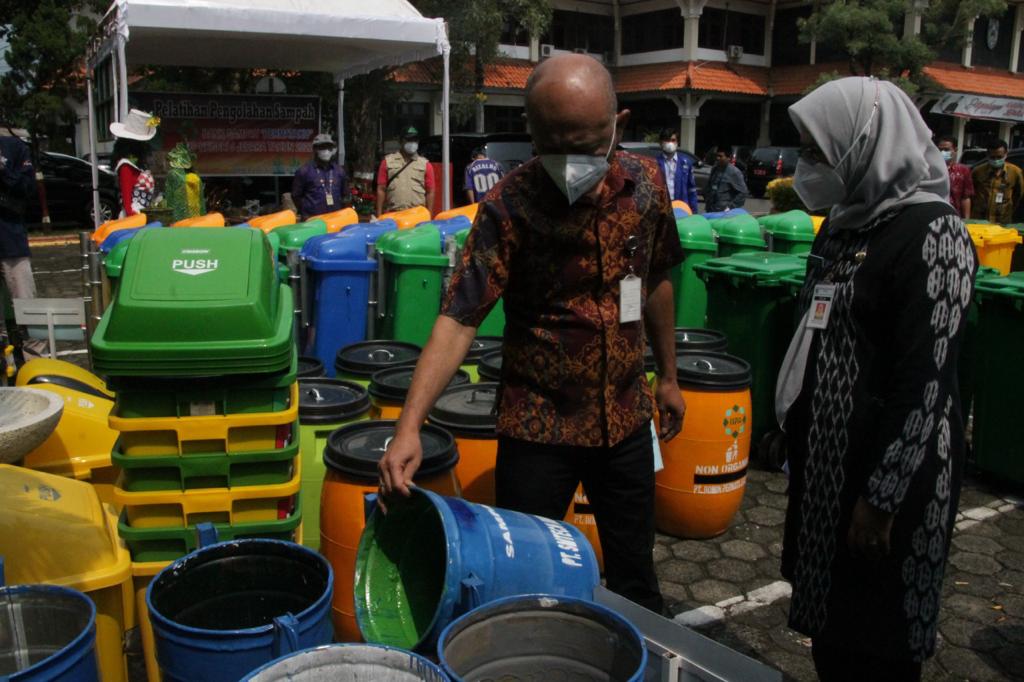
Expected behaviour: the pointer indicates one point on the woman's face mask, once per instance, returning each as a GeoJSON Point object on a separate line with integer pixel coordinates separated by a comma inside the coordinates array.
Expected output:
{"type": "Point", "coordinates": [576, 174]}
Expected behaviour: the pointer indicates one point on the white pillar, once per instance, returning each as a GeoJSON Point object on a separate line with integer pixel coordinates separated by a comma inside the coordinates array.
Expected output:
{"type": "Point", "coordinates": [969, 44]}
{"type": "Point", "coordinates": [1005, 128]}
{"type": "Point", "coordinates": [959, 132]}
{"type": "Point", "coordinates": [341, 121]}
{"type": "Point", "coordinates": [912, 19]}
{"type": "Point", "coordinates": [446, 171]}
{"type": "Point", "coordinates": [1018, 27]}
{"type": "Point", "coordinates": [122, 70]}
{"type": "Point", "coordinates": [89, 74]}
{"type": "Point", "coordinates": [764, 137]}
{"type": "Point", "coordinates": [534, 48]}
{"type": "Point", "coordinates": [617, 28]}
{"type": "Point", "coordinates": [769, 29]}
{"type": "Point", "coordinates": [688, 107]}
{"type": "Point", "coordinates": [691, 11]}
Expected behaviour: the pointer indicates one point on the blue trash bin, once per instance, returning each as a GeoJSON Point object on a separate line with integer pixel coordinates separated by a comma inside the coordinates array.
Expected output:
{"type": "Point", "coordinates": [116, 238]}
{"type": "Point", "coordinates": [449, 227]}
{"type": "Point", "coordinates": [340, 273]}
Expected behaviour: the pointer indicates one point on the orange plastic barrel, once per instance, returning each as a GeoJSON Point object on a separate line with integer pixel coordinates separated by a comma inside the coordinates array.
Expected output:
{"type": "Point", "coordinates": [580, 515]}
{"type": "Point", "coordinates": [336, 220]}
{"type": "Point", "coordinates": [388, 389]}
{"type": "Point", "coordinates": [701, 487]}
{"type": "Point", "coordinates": [468, 413]}
{"type": "Point", "coordinates": [111, 226]}
{"type": "Point", "coordinates": [351, 457]}
{"type": "Point", "coordinates": [266, 223]}
{"type": "Point", "coordinates": [410, 217]}
{"type": "Point", "coordinates": [678, 203]}
{"type": "Point", "coordinates": [208, 220]}
{"type": "Point", "coordinates": [469, 211]}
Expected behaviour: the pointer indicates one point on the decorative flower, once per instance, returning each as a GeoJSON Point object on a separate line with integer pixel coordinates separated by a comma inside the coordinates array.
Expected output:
{"type": "Point", "coordinates": [153, 121]}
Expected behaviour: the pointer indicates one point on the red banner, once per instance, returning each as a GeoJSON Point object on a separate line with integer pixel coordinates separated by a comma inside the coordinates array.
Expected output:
{"type": "Point", "coordinates": [235, 134]}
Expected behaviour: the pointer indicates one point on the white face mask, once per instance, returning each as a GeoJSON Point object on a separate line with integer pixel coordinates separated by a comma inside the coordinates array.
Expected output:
{"type": "Point", "coordinates": [324, 154]}
{"type": "Point", "coordinates": [576, 174]}
{"type": "Point", "coordinates": [411, 148]}
{"type": "Point", "coordinates": [669, 148]}
{"type": "Point", "coordinates": [947, 155]}
{"type": "Point", "coordinates": [818, 185]}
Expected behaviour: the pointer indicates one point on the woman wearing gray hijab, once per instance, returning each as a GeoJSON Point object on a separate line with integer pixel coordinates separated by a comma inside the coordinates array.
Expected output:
{"type": "Point", "coordinates": [868, 395]}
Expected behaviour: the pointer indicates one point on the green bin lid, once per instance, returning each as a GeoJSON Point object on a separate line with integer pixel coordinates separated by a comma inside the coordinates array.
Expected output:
{"type": "Point", "coordinates": [329, 401]}
{"type": "Point", "coordinates": [696, 234]}
{"type": "Point", "coordinates": [419, 246]}
{"type": "Point", "coordinates": [760, 268]}
{"type": "Point", "coordinates": [467, 409]}
{"type": "Point", "coordinates": [309, 367]}
{"type": "Point", "coordinates": [693, 340]}
{"type": "Point", "coordinates": [481, 346]}
{"type": "Point", "coordinates": [392, 384]}
{"type": "Point", "coordinates": [273, 241]}
{"type": "Point", "coordinates": [739, 230]}
{"type": "Point", "coordinates": [114, 261]}
{"type": "Point", "coordinates": [366, 357]}
{"type": "Point", "coordinates": [355, 449]}
{"type": "Point", "coordinates": [489, 366]}
{"type": "Point", "coordinates": [461, 236]}
{"type": "Point", "coordinates": [791, 226]}
{"type": "Point", "coordinates": [1011, 286]}
{"type": "Point", "coordinates": [293, 237]}
{"type": "Point", "coordinates": [712, 370]}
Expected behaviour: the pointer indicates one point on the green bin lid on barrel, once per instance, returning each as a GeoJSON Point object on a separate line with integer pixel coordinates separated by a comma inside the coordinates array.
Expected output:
{"type": "Point", "coordinates": [366, 357]}
{"type": "Point", "coordinates": [481, 346]}
{"type": "Point", "coordinates": [468, 409]}
{"type": "Point", "coordinates": [309, 367]}
{"type": "Point", "coordinates": [691, 339]}
{"type": "Point", "coordinates": [329, 401]}
{"type": "Point", "coordinates": [740, 230]}
{"type": "Point", "coordinates": [716, 371]}
{"type": "Point", "coordinates": [792, 226]}
{"type": "Point", "coordinates": [489, 366]}
{"type": "Point", "coordinates": [760, 268]}
{"type": "Point", "coordinates": [355, 449]}
{"type": "Point", "coordinates": [696, 234]}
{"type": "Point", "coordinates": [393, 383]}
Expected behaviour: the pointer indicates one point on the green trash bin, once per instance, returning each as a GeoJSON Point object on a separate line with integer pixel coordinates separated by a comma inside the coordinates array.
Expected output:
{"type": "Point", "coordinates": [737, 234]}
{"type": "Point", "coordinates": [967, 366]}
{"type": "Point", "coordinates": [790, 232]}
{"type": "Point", "coordinates": [413, 273]}
{"type": "Point", "coordinates": [324, 405]}
{"type": "Point", "coordinates": [293, 237]}
{"type": "Point", "coordinates": [998, 429]}
{"type": "Point", "coordinates": [1017, 262]}
{"type": "Point", "coordinates": [494, 323]}
{"type": "Point", "coordinates": [753, 307]}
{"type": "Point", "coordinates": [691, 297]}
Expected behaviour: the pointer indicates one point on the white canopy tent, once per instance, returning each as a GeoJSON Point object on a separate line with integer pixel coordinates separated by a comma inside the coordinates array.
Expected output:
{"type": "Point", "coordinates": [342, 37]}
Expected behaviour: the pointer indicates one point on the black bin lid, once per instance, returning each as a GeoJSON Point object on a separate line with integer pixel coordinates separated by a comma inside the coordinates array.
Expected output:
{"type": "Point", "coordinates": [717, 371]}
{"type": "Point", "coordinates": [309, 367]}
{"type": "Point", "coordinates": [467, 409]}
{"type": "Point", "coordinates": [481, 346]}
{"type": "Point", "coordinates": [355, 449]}
{"type": "Point", "coordinates": [692, 339]}
{"type": "Point", "coordinates": [366, 357]}
{"type": "Point", "coordinates": [489, 366]}
{"type": "Point", "coordinates": [328, 401]}
{"type": "Point", "coordinates": [393, 384]}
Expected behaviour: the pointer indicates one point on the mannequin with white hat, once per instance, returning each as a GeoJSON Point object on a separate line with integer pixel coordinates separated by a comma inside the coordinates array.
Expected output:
{"type": "Point", "coordinates": [130, 158]}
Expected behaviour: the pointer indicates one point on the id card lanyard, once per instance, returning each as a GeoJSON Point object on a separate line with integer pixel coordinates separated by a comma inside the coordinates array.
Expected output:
{"type": "Point", "coordinates": [329, 186]}
{"type": "Point", "coordinates": [630, 303]}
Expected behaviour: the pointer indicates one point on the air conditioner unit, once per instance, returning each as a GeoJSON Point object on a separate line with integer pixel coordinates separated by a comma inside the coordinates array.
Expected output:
{"type": "Point", "coordinates": [734, 52]}
{"type": "Point", "coordinates": [546, 50]}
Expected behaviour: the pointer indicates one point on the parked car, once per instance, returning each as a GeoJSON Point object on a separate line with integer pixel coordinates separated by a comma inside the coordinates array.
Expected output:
{"type": "Point", "coordinates": [653, 149]}
{"type": "Point", "coordinates": [738, 156]}
{"type": "Point", "coordinates": [766, 164]}
{"type": "Point", "coordinates": [509, 149]}
{"type": "Point", "coordinates": [68, 181]}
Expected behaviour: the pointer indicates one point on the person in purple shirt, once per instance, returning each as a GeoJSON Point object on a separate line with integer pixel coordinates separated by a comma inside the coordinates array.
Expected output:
{"type": "Point", "coordinates": [481, 175]}
{"type": "Point", "coordinates": [320, 185]}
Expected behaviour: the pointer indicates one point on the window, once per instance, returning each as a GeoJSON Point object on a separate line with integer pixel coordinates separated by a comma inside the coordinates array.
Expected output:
{"type": "Point", "coordinates": [997, 32]}
{"type": "Point", "coordinates": [404, 114]}
{"type": "Point", "coordinates": [652, 31]}
{"type": "Point", "coordinates": [512, 33]}
{"type": "Point", "coordinates": [103, 94]}
{"type": "Point", "coordinates": [581, 31]}
{"type": "Point", "coordinates": [719, 28]}
{"type": "Point", "coordinates": [504, 119]}
{"type": "Point", "coordinates": [786, 46]}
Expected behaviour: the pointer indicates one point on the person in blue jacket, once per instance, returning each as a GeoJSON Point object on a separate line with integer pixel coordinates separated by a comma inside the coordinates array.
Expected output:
{"type": "Point", "coordinates": [677, 170]}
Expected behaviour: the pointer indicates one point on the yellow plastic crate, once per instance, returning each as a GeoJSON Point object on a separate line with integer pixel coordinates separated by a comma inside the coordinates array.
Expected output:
{"type": "Point", "coordinates": [176, 509]}
{"type": "Point", "coordinates": [995, 245]}
{"type": "Point", "coordinates": [218, 433]}
{"type": "Point", "coordinates": [55, 530]}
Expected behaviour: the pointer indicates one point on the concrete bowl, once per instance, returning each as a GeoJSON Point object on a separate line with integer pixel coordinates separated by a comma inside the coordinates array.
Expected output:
{"type": "Point", "coordinates": [27, 418]}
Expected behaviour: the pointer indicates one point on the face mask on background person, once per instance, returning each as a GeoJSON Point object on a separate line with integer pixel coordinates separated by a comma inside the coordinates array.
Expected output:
{"type": "Point", "coordinates": [669, 148]}
{"type": "Point", "coordinates": [324, 154]}
{"type": "Point", "coordinates": [997, 163]}
{"type": "Point", "coordinates": [576, 174]}
{"type": "Point", "coordinates": [947, 155]}
{"type": "Point", "coordinates": [411, 148]}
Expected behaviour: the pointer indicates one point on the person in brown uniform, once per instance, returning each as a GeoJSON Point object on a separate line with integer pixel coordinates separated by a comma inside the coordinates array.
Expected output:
{"type": "Point", "coordinates": [998, 186]}
{"type": "Point", "coordinates": [579, 242]}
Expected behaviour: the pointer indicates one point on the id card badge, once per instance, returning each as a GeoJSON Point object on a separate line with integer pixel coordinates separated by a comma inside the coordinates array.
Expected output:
{"type": "Point", "coordinates": [330, 199]}
{"type": "Point", "coordinates": [821, 306]}
{"type": "Point", "coordinates": [629, 299]}
{"type": "Point", "coordinates": [999, 197]}
{"type": "Point", "coordinates": [659, 463]}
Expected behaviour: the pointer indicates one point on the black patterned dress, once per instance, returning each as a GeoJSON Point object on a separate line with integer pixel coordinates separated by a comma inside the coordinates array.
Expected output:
{"type": "Point", "coordinates": [879, 416]}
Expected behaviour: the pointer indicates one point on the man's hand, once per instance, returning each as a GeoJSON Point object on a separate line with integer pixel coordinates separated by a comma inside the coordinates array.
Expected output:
{"type": "Point", "coordinates": [398, 466]}
{"type": "Point", "coordinates": [870, 528]}
{"type": "Point", "coordinates": [671, 409]}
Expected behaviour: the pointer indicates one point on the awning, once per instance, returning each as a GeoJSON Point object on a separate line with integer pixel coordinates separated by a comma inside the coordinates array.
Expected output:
{"type": "Point", "coordinates": [979, 106]}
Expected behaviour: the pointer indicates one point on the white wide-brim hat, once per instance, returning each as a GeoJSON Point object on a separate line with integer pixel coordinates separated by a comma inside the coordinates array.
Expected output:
{"type": "Point", "coordinates": [139, 125]}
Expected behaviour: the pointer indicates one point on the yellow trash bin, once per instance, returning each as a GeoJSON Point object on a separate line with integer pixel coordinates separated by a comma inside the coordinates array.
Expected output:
{"type": "Point", "coordinates": [995, 245]}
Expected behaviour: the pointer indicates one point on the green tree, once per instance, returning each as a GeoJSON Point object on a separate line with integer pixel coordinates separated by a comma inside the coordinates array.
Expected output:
{"type": "Point", "coordinates": [870, 35]}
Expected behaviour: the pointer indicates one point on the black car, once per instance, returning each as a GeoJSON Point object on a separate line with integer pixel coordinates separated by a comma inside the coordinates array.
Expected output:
{"type": "Point", "coordinates": [508, 149]}
{"type": "Point", "coordinates": [766, 164]}
{"type": "Point", "coordinates": [68, 181]}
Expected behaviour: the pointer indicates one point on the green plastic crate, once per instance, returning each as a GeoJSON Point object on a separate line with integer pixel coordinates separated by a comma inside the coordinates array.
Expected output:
{"type": "Point", "coordinates": [168, 544]}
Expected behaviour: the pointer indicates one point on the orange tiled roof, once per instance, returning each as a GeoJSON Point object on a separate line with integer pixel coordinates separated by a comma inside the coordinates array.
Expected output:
{"type": "Point", "coordinates": [504, 74]}
{"type": "Point", "coordinates": [979, 80]}
{"type": "Point", "coordinates": [650, 78]}
{"type": "Point", "coordinates": [705, 76]}
{"type": "Point", "coordinates": [794, 80]}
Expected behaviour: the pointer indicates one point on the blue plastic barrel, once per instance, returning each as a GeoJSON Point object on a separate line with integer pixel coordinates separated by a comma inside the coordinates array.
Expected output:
{"type": "Point", "coordinates": [229, 608]}
{"type": "Point", "coordinates": [116, 238]}
{"type": "Point", "coordinates": [542, 637]}
{"type": "Point", "coordinates": [449, 227]}
{"type": "Point", "coordinates": [47, 634]}
{"type": "Point", "coordinates": [731, 213]}
{"type": "Point", "coordinates": [350, 663]}
{"type": "Point", "coordinates": [433, 558]}
{"type": "Point", "coordinates": [340, 272]}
